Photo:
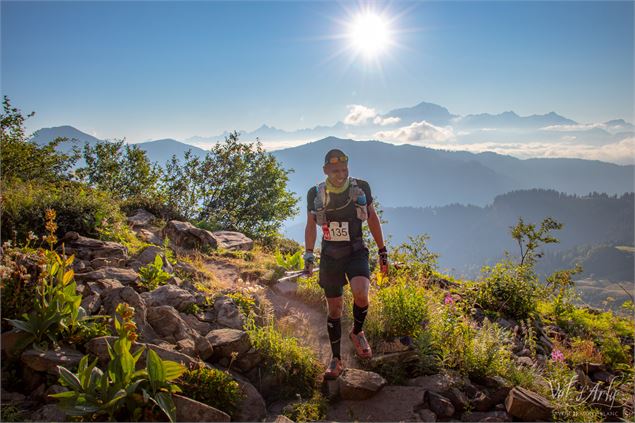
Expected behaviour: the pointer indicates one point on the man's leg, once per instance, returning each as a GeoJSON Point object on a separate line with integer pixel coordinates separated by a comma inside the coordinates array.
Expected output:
{"type": "Point", "coordinates": [359, 287]}
{"type": "Point", "coordinates": [334, 323]}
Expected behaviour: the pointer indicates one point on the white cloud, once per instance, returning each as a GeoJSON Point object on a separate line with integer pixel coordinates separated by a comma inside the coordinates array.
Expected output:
{"type": "Point", "coordinates": [570, 128]}
{"type": "Point", "coordinates": [568, 138]}
{"type": "Point", "coordinates": [385, 121]}
{"type": "Point", "coordinates": [359, 115]}
{"type": "Point", "coordinates": [418, 132]}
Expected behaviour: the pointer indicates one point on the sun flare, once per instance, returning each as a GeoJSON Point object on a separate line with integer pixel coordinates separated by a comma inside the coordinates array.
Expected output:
{"type": "Point", "coordinates": [369, 34]}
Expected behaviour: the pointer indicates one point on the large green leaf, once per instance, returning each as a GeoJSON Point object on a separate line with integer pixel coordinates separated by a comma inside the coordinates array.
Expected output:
{"type": "Point", "coordinates": [156, 371]}
{"type": "Point", "coordinates": [173, 370]}
{"type": "Point", "coordinates": [165, 403]}
{"type": "Point", "coordinates": [70, 379]}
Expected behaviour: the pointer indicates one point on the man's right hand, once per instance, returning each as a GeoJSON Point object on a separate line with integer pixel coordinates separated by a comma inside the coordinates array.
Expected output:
{"type": "Point", "coordinates": [309, 261]}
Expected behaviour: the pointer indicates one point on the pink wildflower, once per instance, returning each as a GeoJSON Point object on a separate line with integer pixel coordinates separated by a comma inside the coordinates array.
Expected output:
{"type": "Point", "coordinates": [556, 355]}
{"type": "Point", "coordinates": [448, 299]}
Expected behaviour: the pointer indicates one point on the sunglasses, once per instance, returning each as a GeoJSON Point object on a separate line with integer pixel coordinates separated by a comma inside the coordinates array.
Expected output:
{"type": "Point", "coordinates": [338, 159]}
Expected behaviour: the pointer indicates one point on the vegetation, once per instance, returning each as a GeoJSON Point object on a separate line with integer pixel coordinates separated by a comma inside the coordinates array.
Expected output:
{"type": "Point", "coordinates": [213, 387]}
{"type": "Point", "coordinates": [152, 274]}
{"type": "Point", "coordinates": [311, 410]}
{"type": "Point", "coordinates": [95, 393]}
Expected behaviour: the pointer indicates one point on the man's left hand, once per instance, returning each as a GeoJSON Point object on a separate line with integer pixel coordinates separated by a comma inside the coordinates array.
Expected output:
{"type": "Point", "coordinates": [383, 260]}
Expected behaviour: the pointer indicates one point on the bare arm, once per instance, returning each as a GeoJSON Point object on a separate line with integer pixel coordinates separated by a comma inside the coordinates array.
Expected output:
{"type": "Point", "coordinates": [310, 232]}
{"type": "Point", "coordinates": [375, 226]}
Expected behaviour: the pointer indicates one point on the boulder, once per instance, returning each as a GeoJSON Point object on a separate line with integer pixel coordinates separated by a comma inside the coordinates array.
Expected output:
{"type": "Point", "coordinates": [10, 397]}
{"type": "Point", "coordinates": [148, 256]}
{"type": "Point", "coordinates": [48, 413]}
{"type": "Point", "coordinates": [186, 346]}
{"type": "Point", "coordinates": [141, 218]}
{"type": "Point", "coordinates": [440, 382]}
{"type": "Point", "coordinates": [458, 398]}
{"type": "Point", "coordinates": [186, 235]}
{"type": "Point", "coordinates": [248, 360]}
{"type": "Point", "coordinates": [358, 384]}
{"type": "Point", "coordinates": [12, 342]}
{"type": "Point", "coordinates": [125, 276]}
{"type": "Point", "coordinates": [602, 376]}
{"type": "Point", "coordinates": [168, 325]}
{"type": "Point", "coordinates": [202, 328]}
{"type": "Point", "coordinates": [113, 297]}
{"type": "Point", "coordinates": [233, 241]}
{"type": "Point", "coordinates": [227, 313]}
{"type": "Point", "coordinates": [148, 236]}
{"type": "Point", "coordinates": [227, 341]}
{"type": "Point", "coordinates": [170, 295]}
{"type": "Point", "coordinates": [91, 303]}
{"type": "Point", "coordinates": [99, 286]}
{"type": "Point", "coordinates": [528, 406]}
{"type": "Point", "coordinates": [189, 410]}
{"type": "Point", "coordinates": [89, 248]}
{"type": "Point", "coordinates": [391, 404]}
{"type": "Point", "coordinates": [441, 406]}
{"type": "Point", "coordinates": [101, 262]}
{"type": "Point", "coordinates": [427, 415]}
{"type": "Point", "coordinates": [282, 419]}
{"type": "Point", "coordinates": [203, 348]}
{"type": "Point", "coordinates": [47, 361]}
{"type": "Point", "coordinates": [524, 361]}
{"type": "Point", "coordinates": [252, 408]}
{"type": "Point", "coordinates": [486, 416]}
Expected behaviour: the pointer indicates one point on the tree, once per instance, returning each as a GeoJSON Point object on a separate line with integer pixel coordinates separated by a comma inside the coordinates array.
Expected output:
{"type": "Point", "coordinates": [25, 160]}
{"type": "Point", "coordinates": [180, 185]}
{"type": "Point", "coordinates": [244, 188]}
{"type": "Point", "coordinates": [529, 238]}
{"type": "Point", "coordinates": [125, 172]}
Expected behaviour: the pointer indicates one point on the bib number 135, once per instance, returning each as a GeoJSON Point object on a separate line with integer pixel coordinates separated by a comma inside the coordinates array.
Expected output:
{"type": "Point", "coordinates": [336, 231]}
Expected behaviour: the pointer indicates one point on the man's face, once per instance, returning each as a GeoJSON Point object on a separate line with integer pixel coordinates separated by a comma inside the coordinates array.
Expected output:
{"type": "Point", "coordinates": [337, 173]}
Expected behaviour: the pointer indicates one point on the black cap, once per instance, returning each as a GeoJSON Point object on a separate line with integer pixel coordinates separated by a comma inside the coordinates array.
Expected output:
{"type": "Point", "coordinates": [334, 153]}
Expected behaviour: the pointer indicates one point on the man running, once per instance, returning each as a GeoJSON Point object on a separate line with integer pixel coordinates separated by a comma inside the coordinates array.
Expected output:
{"type": "Point", "coordinates": [339, 206]}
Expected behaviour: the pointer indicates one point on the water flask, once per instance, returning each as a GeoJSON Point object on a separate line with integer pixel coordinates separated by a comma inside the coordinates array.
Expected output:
{"type": "Point", "coordinates": [361, 199]}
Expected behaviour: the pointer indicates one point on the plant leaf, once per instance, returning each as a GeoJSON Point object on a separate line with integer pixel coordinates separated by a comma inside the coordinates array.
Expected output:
{"type": "Point", "coordinates": [70, 379]}
{"type": "Point", "coordinates": [165, 403]}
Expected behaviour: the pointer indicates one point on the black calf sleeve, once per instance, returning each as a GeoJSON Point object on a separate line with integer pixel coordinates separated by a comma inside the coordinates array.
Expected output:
{"type": "Point", "coordinates": [359, 314]}
{"type": "Point", "coordinates": [334, 328]}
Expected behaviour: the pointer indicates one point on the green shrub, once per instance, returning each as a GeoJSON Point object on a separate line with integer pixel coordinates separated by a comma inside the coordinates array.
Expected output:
{"type": "Point", "coordinates": [245, 303]}
{"type": "Point", "coordinates": [154, 204]}
{"type": "Point", "coordinates": [86, 211]}
{"type": "Point", "coordinates": [311, 410]}
{"type": "Point", "coordinates": [290, 261]}
{"type": "Point", "coordinates": [295, 366]}
{"type": "Point", "coordinates": [152, 274]}
{"type": "Point", "coordinates": [310, 290]}
{"type": "Point", "coordinates": [508, 288]}
{"type": "Point", "coordinates": [214, 388]}
{"type": "Point", "coordinates": [284, 245]}
{"type": "Point", "coordinates": [417, 260]}
{"type": "Point", "coordinates": [19, 274]}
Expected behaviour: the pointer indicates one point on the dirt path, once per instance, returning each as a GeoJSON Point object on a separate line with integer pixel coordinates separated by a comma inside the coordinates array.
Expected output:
{"type": "Point", "coordinates": [292, 316]}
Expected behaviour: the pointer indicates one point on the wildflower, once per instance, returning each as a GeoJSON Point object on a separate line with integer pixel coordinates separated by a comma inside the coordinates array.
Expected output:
{"type": "Point", "coordinates": [448, 299]}
{"type": "Point", "coordinates": [557, 355]}
{"type": "Point", "coordinates": [132, 336]}
{"type": "Point", "coordinates": [31, 236]}
{"type": "Point", "coordinates": [130, 326]}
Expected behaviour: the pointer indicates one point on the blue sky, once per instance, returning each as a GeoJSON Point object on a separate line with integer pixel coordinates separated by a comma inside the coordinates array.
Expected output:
{"type": "Point", "coordinates": [149, 70]}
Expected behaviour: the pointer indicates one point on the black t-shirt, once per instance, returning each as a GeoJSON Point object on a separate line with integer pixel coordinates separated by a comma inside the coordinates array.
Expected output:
{"type": "Point", "coordinates": [341, 209]}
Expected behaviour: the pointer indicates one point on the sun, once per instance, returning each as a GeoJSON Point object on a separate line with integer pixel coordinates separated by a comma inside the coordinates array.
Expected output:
{"type": "Point", "coordinates": [369, 34]}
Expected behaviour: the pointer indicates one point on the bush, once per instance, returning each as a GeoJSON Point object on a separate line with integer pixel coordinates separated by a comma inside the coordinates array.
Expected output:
{"type": "Point", "coordinates": [311, 410]}
{"type": "Point", "coordinates": [19, 275]}
{"type": "Point", "coordinates": [86, 211]}
{"type": "Point", "coordinates": [152, 274]}
{"type": "Point", "coordinates": [508, 288]}
{"type": "Point", "coordinates": [310, 290]}
{"type": "Point", "coordinates": [214, 388]}
{"type": "Point", "coordinates": [295, 366]}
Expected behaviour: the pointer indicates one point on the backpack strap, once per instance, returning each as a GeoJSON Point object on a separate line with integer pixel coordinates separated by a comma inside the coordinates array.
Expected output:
{"type": "Point", "coordinates": [358, 197]}
{"type": "Point", "coordinates": [320, 202]}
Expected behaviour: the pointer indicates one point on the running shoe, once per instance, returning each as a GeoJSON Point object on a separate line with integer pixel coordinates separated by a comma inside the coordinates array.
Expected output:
{"type": "Point", "coordinates": [362, 347]}
{"type": "Point", "coordinates": [335, 369]}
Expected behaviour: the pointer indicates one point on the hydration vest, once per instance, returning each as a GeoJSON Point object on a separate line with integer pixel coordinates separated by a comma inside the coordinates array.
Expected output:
{"type": "Point", "coordinates": [356, 195]}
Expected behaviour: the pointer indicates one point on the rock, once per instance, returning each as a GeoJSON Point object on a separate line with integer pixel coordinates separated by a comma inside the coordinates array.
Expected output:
{"type": "Point", "coordinates": [427, 415]}
{"type": "Point", "coordinates": [89, 248]}
{"type": "Point", "coordinates": [97, 347]}
{"type": "Point", "coordinates": [602, 376]}
{"type": "Point", "coordinates": [11, 397]}
{"type": "Point", "coordinates": [227, 313]}
{"type": "Point", "coordinates": [102, 262]}
{"type": "Point", "coordinates": [391, 404]}
{"type": "Point", "coordinates": [148, 256]}
{"type": "Point", "coordinates": [441, 406]}
{"type": "Point", "coordinates": [91, 303]}
{"type": "Point", "coordinates": [486, 416]}
{"type": "Point", "coordinates": [358, 384]}
{"type": "Point", "coordinates": [483, 401]}
{"type": "Point", "coordinates": [282, 419]}
{"type": "Point", "coordinates": [186, 346]}
{"type": "Point", "coordinates": [170, 295]}
{"type": "Point", "coordinates": [582, 378]}
{"type": "Point", "coordinates": [168, 325]}
{"type": "Point", "coordinates": [48, 413]}
{"type": "Point", "coordinates": [592, 367]}
{"type": "Point", "coordinates": [47, 361]}
{"type": "Point", "coordinates": [148, 236]}
{"type": "Point", "coordinates": [203, 348]}
{"type": "Point", "coordinates": [226, 341]}
{"type": "Point", "coordinates": [253, 407]}
{"type": "Point", "coordinates": [192, 321]}
{"type": "Point", "coordinates": [393, 358]}
{"type": "Point", "coordinates": [53, 389]}
{"type": "Point", "coordinates": [233, 241]}
{"type": "Point", "coordinates": [491, 381]}
{"type": "Point", "coordinates": [186, 235]}
{"type": "Point", "coordinates": [189, 410]}
{"type": "Point", "coordinates": [141, 218]}
{"type": "Point", "coordinates": [527, 405]}
{"type": "Point", "coordinates": [458, 398]}
{"type": "Point", "coordinates": [248, 360]}
{"type": "Point", "coordinates": [125, 276]}
{"type": "Point", "coordinates": [286, 288]}
{"type": "Point", "coordinates": [524, 361]}
{"type": "Point", "coordinates": [113, 297]}
{"type": "Point", "coordinates": [440, 382]}
{"type": "Point", "coordinates": [13, 342]}
{"type": "Point", "coordinates": [98, 287]}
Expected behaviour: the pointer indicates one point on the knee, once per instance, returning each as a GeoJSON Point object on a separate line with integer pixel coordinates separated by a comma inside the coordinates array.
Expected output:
{"type": "Point", "coordinates": [335, 312]}
{"type": "Point", "coordinates": [361, 300]}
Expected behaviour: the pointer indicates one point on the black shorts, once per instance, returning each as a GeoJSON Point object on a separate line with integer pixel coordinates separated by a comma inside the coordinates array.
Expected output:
{"type": "Point", "coordinates": [335, 273]}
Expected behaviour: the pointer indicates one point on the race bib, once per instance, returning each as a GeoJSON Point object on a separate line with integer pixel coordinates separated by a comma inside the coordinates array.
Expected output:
{"type": "Point", "coordinates": [336, 231]}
